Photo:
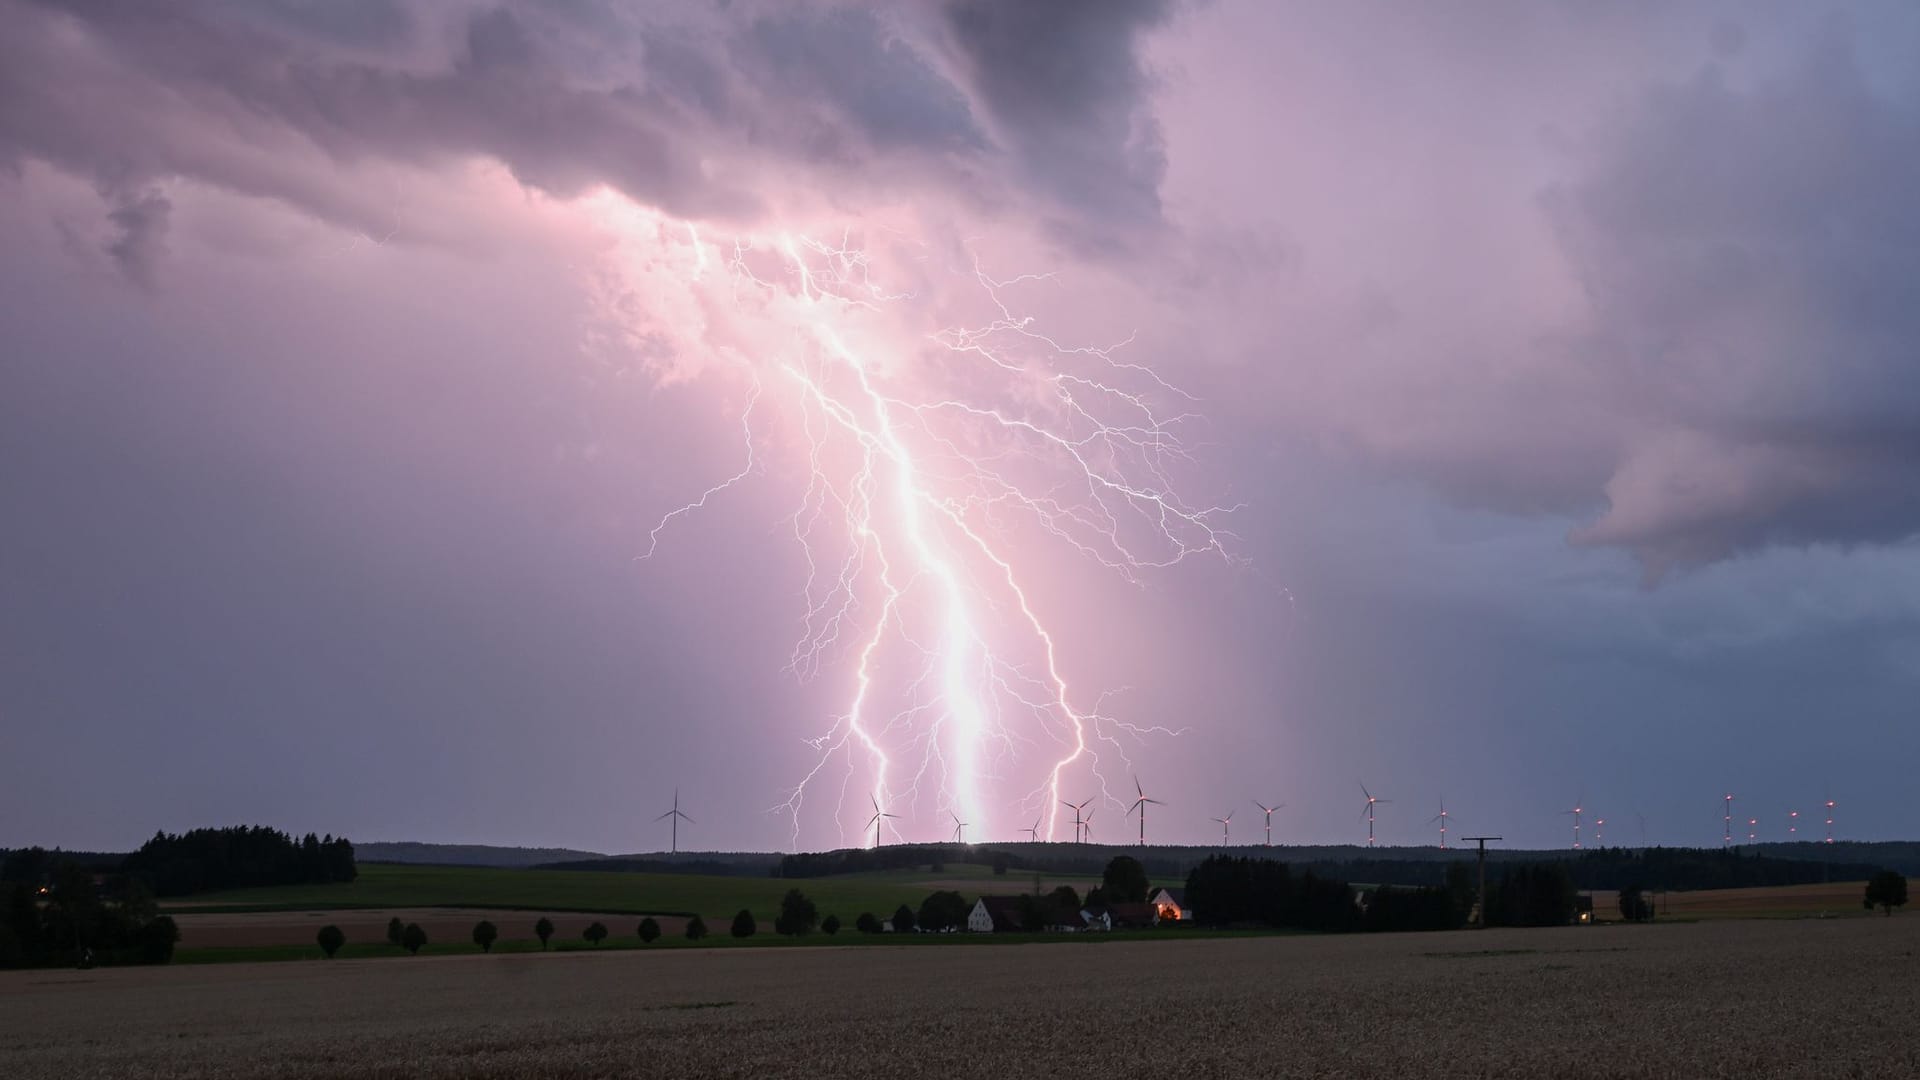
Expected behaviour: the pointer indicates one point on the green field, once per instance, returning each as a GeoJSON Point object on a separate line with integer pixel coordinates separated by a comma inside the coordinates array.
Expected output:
{"type": "Point", "coordinates": [715, 898]}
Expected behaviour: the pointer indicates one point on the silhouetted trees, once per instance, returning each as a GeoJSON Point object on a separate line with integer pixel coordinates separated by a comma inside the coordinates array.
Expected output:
{"type": "Point", "coordinates": [396, 931]}
{"type": "Point", "coordinates": [830, 925]}
{"type": "Point", "coordinates": [595, 933]}
{"type": "Point", "coordinates": [1635, 904]}
{"type": "Point", "coordinates": [330, 939]}
{"type": "Point", "coordinates": [202, 860]}
{"type": "Point", "coordinates": [542, 930]}
{"type": "Point", "coordinates": [866, 923]}
{"type": "Point", "coordinates": [649, 930]}
{"type": "Point", "coordinates": [413, 938]}
{"type": "Point", "coordinates": [743, 924]}
{"type": "Point", "coordinates": [1124, 881]}
{"type": "Point", "coordinates": [797, 915]}
{"type": "Point", "coordinates": [696, 928]}
{"type": "Point", "coordinates": [485, 934]}
{"type": "Point", "coordinates": [1531, 894]}
{"type": "Point", "coordinates": [903, 920]}
{"type": "Point", "coordinates": [1423, 907]}
{"type": "Point", "coordinates": [1886, 890]}
{"type": "Point", "coordinates": [943, 910]}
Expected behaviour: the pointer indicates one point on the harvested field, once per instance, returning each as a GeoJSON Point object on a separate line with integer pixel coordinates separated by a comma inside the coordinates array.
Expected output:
{"type": "Point", "coordinates": [1733, 999]}
{"type": "Point", "coordinates": [1768, 902]}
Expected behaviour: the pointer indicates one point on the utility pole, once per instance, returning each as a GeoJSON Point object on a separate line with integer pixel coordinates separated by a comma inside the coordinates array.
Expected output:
{"type": "Point", "coordinates": [1482, 842]}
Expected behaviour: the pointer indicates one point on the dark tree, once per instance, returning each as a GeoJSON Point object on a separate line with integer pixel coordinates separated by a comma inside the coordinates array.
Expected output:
{"type": "Point", "coordinates": [1635, 906]}
{"type": "Point", "coordinates": [595, 933]}
{"type": "Point", "coordinates": [743, 924]}
{"type": "Point", "coordinates": [830, 925]}
{"type": "Point", "coordinates": [797, 914]}
{"type": "Point", "coordinates": [485, 934]}
{"type": "Point", "coordinates": [649, 930]}
{"type": "Point", "coordinates": [696, 928]}
{"type": "Point", "coordinates": [396, 932]}
{"type": "Point", "coordinates": [330, 939]}
{"type": "Point", "coordinates": [207, 859]}
{"type": "Point", "coordinates": [543, 930]}
{"type": "Point", "coordinates": [943, 910]}
{"type": "Point", "coordinates": [866, 923]}
{"type": "Point", "coordinates": [1887, 890]}
{"type": "Point", "coordinates": [1125, 881]}
{"type": "Point", "coordinates": [903, 920]}
{"type": "Point", "coordinates": [413, 938]}
{"type": "Point", "coordinates": [155, 940]}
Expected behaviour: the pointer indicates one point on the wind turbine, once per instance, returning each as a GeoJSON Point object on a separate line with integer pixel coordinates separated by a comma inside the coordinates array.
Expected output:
{"type": "Point", "coordinates": [1088, 824]}
{"type": "Point", "coordinates": [1033, 834]}
{"type": "Point", "coordinates": [1793, 823]}
{"type": "Point", "coordinates": [1226, 823]}
{"type": "Point", "coordinates": [1368, 812]}
{"type": "Point", "coordinates": [1727, 840]}
{"type": "Point", "coordinates": [1753, 829]}
{"type": "Point", "coordinates": [1576, 812]}
{"type": "Point", "coordinates": [1140, 804]}
{"type": "Point", "coordinates": [1078, 822]}
{"type": "Point", "coordinates": [1268, 810]}
{"type": "Point", "coordinates": [1441, 817]}
{"type": "Point", "coordinates": [875, 820]}
{"type": "Point", "coordinates": [1600, 831]}
{"type": "Point", "coordinates": [676, 816]}
{"type": "Point", "coordinates": [1829, 818]}
{"type": "Point", "coordinates": [959, 827]}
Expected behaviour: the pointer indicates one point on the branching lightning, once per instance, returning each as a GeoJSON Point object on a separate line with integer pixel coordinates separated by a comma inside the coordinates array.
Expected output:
{"type": "Point", "coordinates": [937, 460]}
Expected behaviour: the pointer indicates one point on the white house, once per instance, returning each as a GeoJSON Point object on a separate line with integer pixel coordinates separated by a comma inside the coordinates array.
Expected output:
{"type": "Point", "coordinates": [1171, 904]}
{"type": "Point", "coordinates": [991, 913]}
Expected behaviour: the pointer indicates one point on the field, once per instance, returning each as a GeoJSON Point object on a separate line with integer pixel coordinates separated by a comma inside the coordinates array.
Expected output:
{"type": "Point", "coordinates": [513, 899]}
{"type": "Point", "coordinates": [1840, 898]}
{"type": "Point", "coordinates": [1733, 999]}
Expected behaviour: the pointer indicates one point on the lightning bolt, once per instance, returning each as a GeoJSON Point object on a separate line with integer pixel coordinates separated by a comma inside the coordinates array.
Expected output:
{"type": "Point", "coordinates": [929, 448]}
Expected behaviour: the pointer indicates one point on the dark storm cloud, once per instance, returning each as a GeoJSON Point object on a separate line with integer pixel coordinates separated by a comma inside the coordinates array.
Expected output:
{"type": "Point", "coordinates": [1066, 88]}
{"type": "Point", "coordinates": [1752, 256]}
{"type": "Point", "coordinates": [700, 112]}
{"type": "Point", "coordinates": [141, 221]}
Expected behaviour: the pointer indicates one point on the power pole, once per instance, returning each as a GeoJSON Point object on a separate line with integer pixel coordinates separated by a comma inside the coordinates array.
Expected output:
{"type": "Point", "coordinates": [1482, 842]}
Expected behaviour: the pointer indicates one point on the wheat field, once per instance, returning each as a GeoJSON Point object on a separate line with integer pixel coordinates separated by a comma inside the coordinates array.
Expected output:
{"type": "Point", "coordinates": [1732, 999]}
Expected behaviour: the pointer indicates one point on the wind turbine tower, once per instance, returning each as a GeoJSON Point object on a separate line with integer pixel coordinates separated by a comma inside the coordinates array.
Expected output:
{"type": "Point", "coordinates": [879, 816]}
{"type": "Point", "coordinates": [1793, 824]}
{"type": "Point", "coordinates": [1829, 819]}
{"type": "Point", "coordinates": [1441, 817]}
{"type": "Point", "coordinates": [1033, 832]}
{"type": "Point", "coordinates": [1727, 839]}
{"type": "Point", "coordinates": [1600, 832]}
{"type": "Point", "coordinates": [676, 817]}
{"type": "Point", "coordinates": [1226, 823]}
{"type": "Point", "coordinates": [1753, 829]}
{"type": "Point", "coordinates": [959, 828]}
{"type": "Point", "coordinates": [1079, 823]}
{"type": "Point", "coordinates": [1268, 810]}
{"type": "Point", "coordinates": [1140, 805]}
{"type": "Point", "coordinates": [1368, 812]}
{"type": "Point", "coordinates": [1576, 812]}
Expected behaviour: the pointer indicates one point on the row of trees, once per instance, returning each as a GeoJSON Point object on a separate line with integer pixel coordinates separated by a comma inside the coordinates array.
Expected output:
{"type": "Point", "coordinates": [1225, 890]}
{"type": "Point", "coordinates": [72, 920]}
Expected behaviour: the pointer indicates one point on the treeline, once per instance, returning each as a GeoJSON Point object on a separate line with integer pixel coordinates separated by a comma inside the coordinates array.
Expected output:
{"type": "Point", "coordinates": [75, 919]}
{"type": "Point", "coordinates": [655, 866]}
{"type": "Point", "coordinates": [812, 864]}
{"type": "Point", "coordinates": [203, 860]}
{"type": "Point", "coordinates": [1228, 891]}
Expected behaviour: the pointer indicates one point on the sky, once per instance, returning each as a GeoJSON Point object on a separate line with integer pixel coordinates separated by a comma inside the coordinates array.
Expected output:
{"type": "Point", "coordinates": [468, 423]}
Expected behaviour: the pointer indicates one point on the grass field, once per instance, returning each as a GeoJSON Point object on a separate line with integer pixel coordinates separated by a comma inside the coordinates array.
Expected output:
{"type": "Point", "coordinates": [1737, 998]}
{"type": "Point", "coordinates": [715, 898]}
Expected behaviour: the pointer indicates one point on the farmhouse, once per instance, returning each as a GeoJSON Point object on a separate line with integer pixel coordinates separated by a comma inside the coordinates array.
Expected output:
{"type": "Point", "coordinates": [996, 913]}
{"type": "Point", "coordinates": [1172, 905]}
{"type": "Point", "coordinates": [1131, 916]}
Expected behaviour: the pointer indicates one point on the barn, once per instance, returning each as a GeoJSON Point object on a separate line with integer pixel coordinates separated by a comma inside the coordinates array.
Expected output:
{"type": "Point", "coordinates": [992, 914]}
{"type": "Point", "coordinates": [1172, 905]}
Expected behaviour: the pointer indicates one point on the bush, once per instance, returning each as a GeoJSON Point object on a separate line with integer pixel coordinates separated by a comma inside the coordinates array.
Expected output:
{"type": "Point", "coordinates": [413, 938]}
{"type": "Point", "coordinates": [1887, 890]}
{"type": "Point", "coordinates": [696, 928]}
{"type": "Point", "coordinates": [595, 933]}
{"type": "Point", "coordinates": [330, 939]}
{"type": "Point", "coordinates": [830, 924]}
{"type": "Point", "coordinates": [542, 930]}
{"type": "Point", "coordinates": [157, 939]}
{"type": "Point", "coordinates": [797, 914]}
{"type": "Point", "coordinates": [396, 931]}
{"type": "Point", "coordinates": [866, 923]}
{"type": "Point", "coordinates": [1635, 906]}
{"type": "Point", "coordinates": [943, 911]}
{"type": "Point", "coordinates": [649, 931]}
{"type": "Point", "coordinates": [485, 934]}
{"type": "Point", "coordinates": [743, 924]}
{"type": "Point", "coordinates": [903, 920]}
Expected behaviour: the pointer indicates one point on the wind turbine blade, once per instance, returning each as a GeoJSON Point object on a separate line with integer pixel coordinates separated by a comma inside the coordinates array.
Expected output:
{"type": "Point", "coordinates": [665, 816]}
{"type": "Point", "coordinates": [875, 800]}
{"type": "Point", "coordinates": [685, 818]}
{"type": "Point", "coordinates": [873, 819]}
{"type": "Point", "coordinates": [1137, 789]}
